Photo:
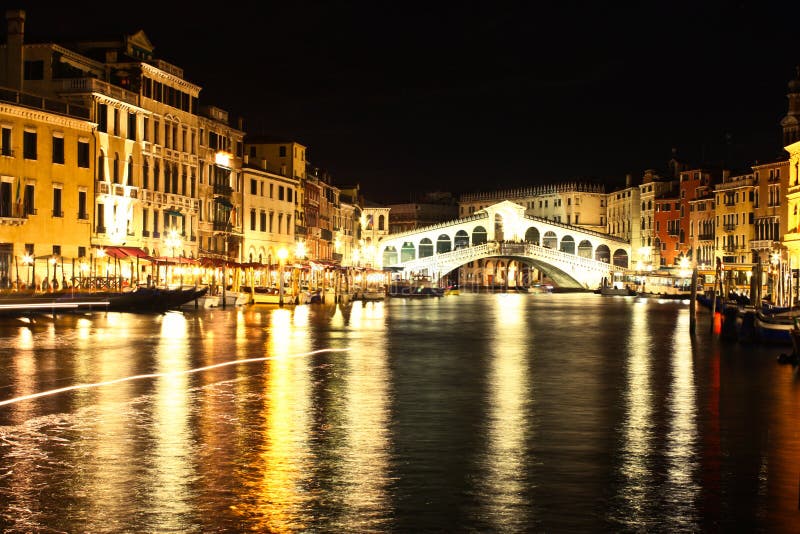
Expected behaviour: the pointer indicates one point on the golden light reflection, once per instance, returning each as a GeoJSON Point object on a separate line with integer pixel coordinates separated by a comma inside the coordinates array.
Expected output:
{"type": "Point", "coordinates": [636, 431]}
{"type": "Point", "coordinates": [279, 495]}
{"type": "Point", "coordinates": [509, 393]}
{"type": "Point", "coordinates": [365, 449]}
{"type": "Point", "coordinates": [682, 436]}
{"type": "Point", "coordinates": [172, 463]}
{"type": "Point", "coordinates": [105, 468]}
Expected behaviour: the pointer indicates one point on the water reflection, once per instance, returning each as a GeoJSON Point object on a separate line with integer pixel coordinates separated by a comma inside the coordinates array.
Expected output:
{"type": "Point", "coordinates": [681, 439]}
{"type": "Point", "coordinates": [504, 462]}
{"type": "Point", "coordinates": [478, 413]}
{"type": "Point", "coordinates": [637, 490]}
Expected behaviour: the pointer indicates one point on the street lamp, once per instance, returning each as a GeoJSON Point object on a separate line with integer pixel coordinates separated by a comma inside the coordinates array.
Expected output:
{"type": "Point", "coordinates": [173, 241]}
{"type": "Point", "coordinates": [27, 259]}
{"type": "Point", "coordinates": [282, 254]}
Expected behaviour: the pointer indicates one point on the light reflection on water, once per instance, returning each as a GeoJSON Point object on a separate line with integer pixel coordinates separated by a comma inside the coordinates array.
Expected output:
{"type": "Point", "coordinates": [474, 412]}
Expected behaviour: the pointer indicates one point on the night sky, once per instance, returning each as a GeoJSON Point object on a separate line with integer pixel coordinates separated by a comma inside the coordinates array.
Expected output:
{"type": "Point", "coordinates": [408, 97]}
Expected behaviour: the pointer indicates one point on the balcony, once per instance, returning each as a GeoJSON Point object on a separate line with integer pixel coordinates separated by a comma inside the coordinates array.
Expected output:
{"type": "Point", "coordinates": [706, 237]}
{"type": "Point", "coordinates": [222, 189]}
{"type": "Point", "coordinates": [93, 85]}
{"type": "Point", "coordinates": [729, 227]}
{"type": "Point", "coordinates": [45, 104]}
{"type": "Point", "coordinates": [762, 244]}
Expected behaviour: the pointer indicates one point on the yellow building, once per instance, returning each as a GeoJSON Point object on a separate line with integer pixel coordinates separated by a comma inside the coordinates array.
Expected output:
{"type": "Point", "coordinates": [46, 183]}
{"type": "Point", "coordinates": [268, 210]}
{"type": "Point", "coordinates": [734, 199]}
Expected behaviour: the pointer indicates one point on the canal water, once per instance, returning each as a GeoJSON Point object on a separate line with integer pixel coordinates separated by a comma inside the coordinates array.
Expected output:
{"type": "Point", "coordinates": [466, 413]}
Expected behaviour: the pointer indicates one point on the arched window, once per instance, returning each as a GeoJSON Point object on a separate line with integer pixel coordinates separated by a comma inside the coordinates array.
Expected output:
{"type": "Point", "coordinates": [129, 180]}
{"type": "Point", "coordinates": [115, 170]}
{"type": "Point", "coordinates": [425, 248]}
{"type": "Point", "coordinates": [380, 222]}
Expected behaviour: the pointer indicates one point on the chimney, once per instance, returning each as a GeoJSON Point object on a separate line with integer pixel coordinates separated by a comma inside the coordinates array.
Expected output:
{"type": "Point", "coordinates": [15, 19]}
{"type": "Point", "coordinates": [628, 180]}
{"type": "Point", "coordinates": [725, 174]}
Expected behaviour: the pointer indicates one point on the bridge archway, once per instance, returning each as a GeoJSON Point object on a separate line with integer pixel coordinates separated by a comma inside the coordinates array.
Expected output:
{"type": "Point", "coordinates": [585, 249]}
{"type": "Point", "coordinates": [550, 240]}
{"type": "Point", "coordinates": [479, 236]}
{"type": "Point", "coordinates": [603, 253]}
{"type": "Point", "coordinates": [568, 244]}
{"type": "Point", "coordinates": [390, 256]}
{"type": "Point", "coordinates": [580, 257]}
{"type": "Point", "coordinates": [621, 258]}
{"type": "Point", "coordinates": [443, 244]}
{"type": "Point", "coordinates": [408, 252]}
{"type": "Point", "coordinates": [425, 248]}
{"type": "Point", "coordinates": [461, 240]}
{"type": "Point", "coordinates": [532, 235]}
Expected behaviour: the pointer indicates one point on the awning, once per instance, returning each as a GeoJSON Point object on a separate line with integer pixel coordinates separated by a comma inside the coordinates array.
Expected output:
{"type": "Point", "coordinates": [121, 253]}
{"type": "Point", "coordinates": [224, 201]}
{"type": "Point", "coordinates": [173, 213]}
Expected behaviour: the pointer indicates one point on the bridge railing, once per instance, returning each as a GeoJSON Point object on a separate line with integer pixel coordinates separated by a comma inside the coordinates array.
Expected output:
{"type": "Point", "coordinates": [452, 259]}
{"type": "Point", "coordinates": [475, 217]}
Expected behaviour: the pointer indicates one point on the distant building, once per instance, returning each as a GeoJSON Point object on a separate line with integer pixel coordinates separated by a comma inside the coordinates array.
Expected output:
{"type": "Point", "coordinates": [433, 208]}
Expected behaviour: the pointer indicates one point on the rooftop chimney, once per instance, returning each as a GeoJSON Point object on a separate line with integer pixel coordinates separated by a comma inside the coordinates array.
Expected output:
{"type": "Point", "coordinates": [15, 20]}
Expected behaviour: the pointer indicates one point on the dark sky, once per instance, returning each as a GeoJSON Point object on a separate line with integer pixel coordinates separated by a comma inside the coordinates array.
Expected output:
{"type": "Point", "coordinates": [409, 97]}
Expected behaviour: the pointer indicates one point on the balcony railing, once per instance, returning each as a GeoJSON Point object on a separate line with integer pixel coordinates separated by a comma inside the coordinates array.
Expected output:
{"type": "Point", "coordinates": [729, 227]}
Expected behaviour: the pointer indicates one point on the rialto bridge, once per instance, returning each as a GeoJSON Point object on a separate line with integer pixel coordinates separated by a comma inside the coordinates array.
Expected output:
{"type": "Point", "coordinates": [504, 242]}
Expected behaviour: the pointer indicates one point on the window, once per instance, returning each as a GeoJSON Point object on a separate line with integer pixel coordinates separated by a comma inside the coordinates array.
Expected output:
{"type": "Point", "coordinates": [129, 177]}
{"type": "Point", "coordinates": [115, 170]}
{"type": "Point", "coordinates": [58, 149]}
{"type": "Point", "coordinates": [57, 212]}
{"type": "Point", "coordinates": [263, 221]}
{"type": "Point", "coordinates": [27, 201]}
{"type": "Point", "coordinates": [82, 215]}
{"type": "Point", "coordinates": [146, 128]}
{"type": "Point", "coordinates": [5, 141]}
{"type": "Point", "coordinates": [280, 192]}
{"type": "Point", "coordinates": [34, 70]}
{"type": "Point", "coordinates": [253, 187]}
{"type": "Point", "coordinates": [83, 154]}
{"type": "Point", "coordinates": [288, 195]}
{"type": "Point", "coordinates": [29, 144]}
{"type": "Point", "coordinates": [101, 218]}
{"type": "Point", "coordinates": [145, 174]}
{"type": "Point", "coordinates": [282, 151]}
{"type": "Point", "coordinates": [116, 122]}
{"type": "Point", "coordinates": [253, 219]}
{"type": "Point", "coordinates": [102, 118]}
{"type": "Point", "coordinates": [132, 126]}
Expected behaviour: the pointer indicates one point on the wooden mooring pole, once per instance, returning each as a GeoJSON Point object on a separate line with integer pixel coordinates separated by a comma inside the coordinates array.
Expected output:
{"type": "Point", "coordinates": [693, 304]}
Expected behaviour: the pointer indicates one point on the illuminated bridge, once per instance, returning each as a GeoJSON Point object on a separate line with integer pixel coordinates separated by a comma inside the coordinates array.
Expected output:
{"type": "Point", "coordinates": [571, 256]}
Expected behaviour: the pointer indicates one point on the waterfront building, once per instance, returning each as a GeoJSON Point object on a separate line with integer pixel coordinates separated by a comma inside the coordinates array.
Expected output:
{"type": "Point", "coordinates": [268, 207]}
{"type": "Point", "coordinates": [647, 252]}
{"type": "Point", "coordinates": [702, 225]}
{"type": "Point", "coordinates": [770, 207]}
{"type": "Point", "coordinates": [220, 188]}
{"type": "Point", "coordinates": [374, 224]}
{"type": "Point", "coordinates": [791, 237]}
{"type": "Point", "coordinates": [667, 226]}
{"type": "Point", "coordinates": [734, 200]}
{"type": "Point", "coordinates": [432, 208]}
{"type": "Point", "coordinates": [577, 203]}
{"type": "Point", "coordinates": [623, 210]}
{"type": "Point", "coordinates": [46, 183]}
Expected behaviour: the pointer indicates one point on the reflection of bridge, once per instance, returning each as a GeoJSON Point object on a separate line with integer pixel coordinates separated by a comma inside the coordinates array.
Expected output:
{"type": "Point", "coordinates": [570, 255]}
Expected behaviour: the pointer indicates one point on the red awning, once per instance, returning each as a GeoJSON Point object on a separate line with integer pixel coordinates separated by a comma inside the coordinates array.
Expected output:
{"type": "Point", "coordinates": [122, 253]}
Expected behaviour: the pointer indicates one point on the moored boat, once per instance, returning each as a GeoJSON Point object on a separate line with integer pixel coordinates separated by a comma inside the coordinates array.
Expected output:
{"type": "Point", "coordinates": [139, 299]}
{"type": "Point", "coordinates": [774, 328]}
